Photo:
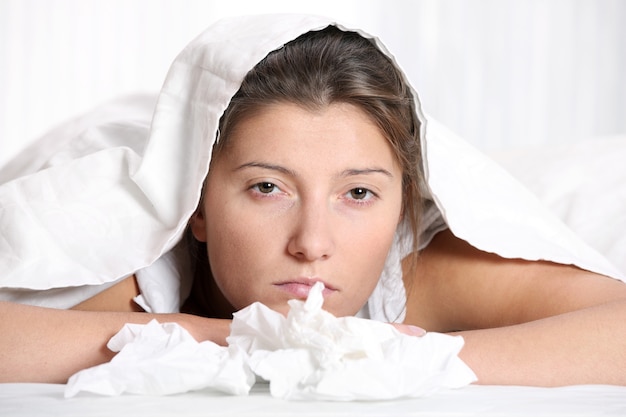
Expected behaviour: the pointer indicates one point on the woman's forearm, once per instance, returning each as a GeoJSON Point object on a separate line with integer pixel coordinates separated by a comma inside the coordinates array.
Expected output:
{"type": "Point", "coordinates": [49, 345]}
{"type": "Point", "coordinates": [586, 346]}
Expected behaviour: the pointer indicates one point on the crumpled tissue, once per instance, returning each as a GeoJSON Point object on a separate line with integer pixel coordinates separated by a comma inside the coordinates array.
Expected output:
{"type": "Point", "coordinates": [310, 354]}
{"type": "Point", "coordinates": [161, 359]}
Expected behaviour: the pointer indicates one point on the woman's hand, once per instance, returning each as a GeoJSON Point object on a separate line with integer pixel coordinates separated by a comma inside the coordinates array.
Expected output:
{"type": "Point", "coordinates": [409, 329]}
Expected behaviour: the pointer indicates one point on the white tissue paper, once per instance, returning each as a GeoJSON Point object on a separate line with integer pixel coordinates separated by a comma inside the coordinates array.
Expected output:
{"type": "Point", "coordinates": [161, 359]}
{"type": "Point", "coordinates": [310, 354]}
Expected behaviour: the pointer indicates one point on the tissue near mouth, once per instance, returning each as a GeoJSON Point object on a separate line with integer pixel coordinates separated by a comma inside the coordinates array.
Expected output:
{"type": "Point", "coordinates": [311, 354]}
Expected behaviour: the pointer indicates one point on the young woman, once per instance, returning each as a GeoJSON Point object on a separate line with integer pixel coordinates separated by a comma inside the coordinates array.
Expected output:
{"type": "Point", "coordinates": [318, 172]}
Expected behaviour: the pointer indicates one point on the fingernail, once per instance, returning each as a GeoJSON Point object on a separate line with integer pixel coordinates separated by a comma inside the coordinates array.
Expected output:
{"type": "Point", "coordinates": [416, 331]}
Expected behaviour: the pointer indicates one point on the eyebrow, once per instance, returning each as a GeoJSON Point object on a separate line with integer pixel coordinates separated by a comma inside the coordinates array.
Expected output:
{"type": "Point", "coordinates": [366, 171]}
{"type": "Point", "coordinates": [264, 165]}
{"type": "Point", "coordinates": [346, 173]}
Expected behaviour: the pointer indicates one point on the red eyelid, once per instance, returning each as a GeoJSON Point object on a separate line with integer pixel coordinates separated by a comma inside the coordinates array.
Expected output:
{"type": "Point", "coordinates": [279, 189]}
{"type": "Point", "coordinates": [366, 187]}
{"type": "Point", "coordinates": [367, 201]}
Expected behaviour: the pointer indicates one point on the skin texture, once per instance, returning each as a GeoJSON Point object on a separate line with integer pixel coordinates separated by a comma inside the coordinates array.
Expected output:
{"type": "Point", "coordinates": [301, 196]}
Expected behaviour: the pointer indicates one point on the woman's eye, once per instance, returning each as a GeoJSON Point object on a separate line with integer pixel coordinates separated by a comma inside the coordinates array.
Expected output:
{"type": "Point", "coordinates": [360, 193]}
{"type": "Point", "coordinates": [265, 187]}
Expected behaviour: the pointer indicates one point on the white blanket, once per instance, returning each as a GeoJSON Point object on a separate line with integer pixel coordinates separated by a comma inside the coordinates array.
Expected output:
{"type": "Point", "coordinates": [119, 195]}
{"type": "Point", "coordinates": [584, 184]}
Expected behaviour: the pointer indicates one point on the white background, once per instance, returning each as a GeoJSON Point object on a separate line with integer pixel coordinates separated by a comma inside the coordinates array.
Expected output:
{"type": "Point", "coordinates": [502, 73]}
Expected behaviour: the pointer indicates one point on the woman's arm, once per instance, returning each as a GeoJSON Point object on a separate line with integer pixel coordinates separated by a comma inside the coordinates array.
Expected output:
{"type": "Point", "coordinates": [585, 346]}
{"type": "Point", "coordinates": [49, 345]}
{"type": "Point", "coordinates": [526, 323]}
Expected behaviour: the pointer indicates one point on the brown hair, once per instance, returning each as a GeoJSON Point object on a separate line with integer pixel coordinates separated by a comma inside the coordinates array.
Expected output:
{"type": "Point", "coordinates": [330, 66]}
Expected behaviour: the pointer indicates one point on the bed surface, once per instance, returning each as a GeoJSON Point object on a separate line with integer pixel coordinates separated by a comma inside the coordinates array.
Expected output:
{"type": "Point", "coordinates": [582, 400]}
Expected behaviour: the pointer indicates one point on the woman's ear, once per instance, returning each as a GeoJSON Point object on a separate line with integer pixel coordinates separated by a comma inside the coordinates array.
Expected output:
{"type": "Point", "coordinates": [198, 225]}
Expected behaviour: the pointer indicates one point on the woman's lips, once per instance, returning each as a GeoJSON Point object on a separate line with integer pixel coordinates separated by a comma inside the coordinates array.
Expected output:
{"type": "Point", "coordinates": [300, 288]}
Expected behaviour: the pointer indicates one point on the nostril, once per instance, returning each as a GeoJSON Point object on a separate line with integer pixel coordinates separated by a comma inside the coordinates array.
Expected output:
{"type": "Point", "coordinates": [312, 235]}
{"type": "Point", "coordinates": [311, 249]}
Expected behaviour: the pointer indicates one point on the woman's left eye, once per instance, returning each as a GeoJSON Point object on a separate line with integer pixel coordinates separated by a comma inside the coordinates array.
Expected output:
{"type": "Point", "coordinates": [360, 194]}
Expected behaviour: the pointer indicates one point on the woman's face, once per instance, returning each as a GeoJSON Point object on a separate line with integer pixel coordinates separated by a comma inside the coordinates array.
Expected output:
{"type": "Point", "coordinates": [300, 196]}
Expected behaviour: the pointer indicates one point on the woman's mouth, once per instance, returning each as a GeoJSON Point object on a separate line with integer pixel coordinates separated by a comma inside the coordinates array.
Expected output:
{"type": "Point", "coordinates": [300, 288]}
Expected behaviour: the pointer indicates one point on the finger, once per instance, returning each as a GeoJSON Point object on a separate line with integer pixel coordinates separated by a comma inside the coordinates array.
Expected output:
{"type": "Point", "coordinates": [409, 329]}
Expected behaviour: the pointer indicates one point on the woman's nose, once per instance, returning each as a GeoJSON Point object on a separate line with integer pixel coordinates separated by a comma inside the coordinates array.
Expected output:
{"type": "Point", "coordinates": [312, 237]}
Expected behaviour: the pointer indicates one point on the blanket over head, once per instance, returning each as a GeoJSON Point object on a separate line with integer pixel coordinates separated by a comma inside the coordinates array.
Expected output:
{"type": "Point", "coordinates": [115, 193]}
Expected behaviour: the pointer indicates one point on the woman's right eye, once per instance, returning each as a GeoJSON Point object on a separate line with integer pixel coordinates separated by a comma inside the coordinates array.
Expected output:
{"type": "Point", "coordinates": [264, 187]}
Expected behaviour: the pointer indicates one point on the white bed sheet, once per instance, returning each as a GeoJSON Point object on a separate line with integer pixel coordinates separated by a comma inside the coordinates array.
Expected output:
{"type": "Point", "coordinates": [34, 400]}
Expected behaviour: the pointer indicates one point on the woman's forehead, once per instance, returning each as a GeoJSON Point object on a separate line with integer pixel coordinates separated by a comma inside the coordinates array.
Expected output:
{"type": "Point", "coordinates": [290, 132]}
